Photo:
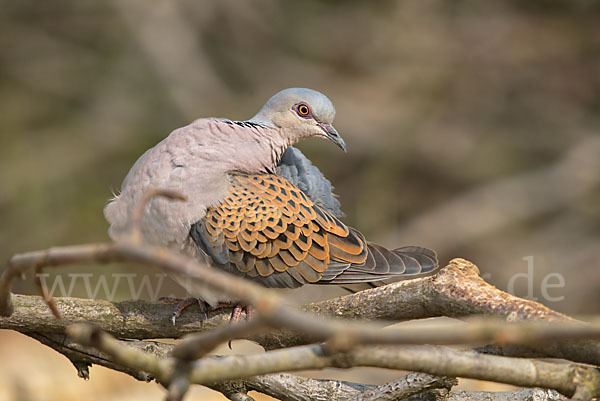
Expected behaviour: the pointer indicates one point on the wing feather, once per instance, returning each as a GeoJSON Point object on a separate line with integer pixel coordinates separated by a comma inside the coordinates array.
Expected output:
{"type": "Point", "coordinates": [268, 229]}
{"type": "Point", "coordinates": [267, 226]}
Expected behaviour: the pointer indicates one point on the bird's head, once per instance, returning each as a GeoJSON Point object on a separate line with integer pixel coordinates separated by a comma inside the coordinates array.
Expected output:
{"type": "Point", "coordinates": [301, 113]}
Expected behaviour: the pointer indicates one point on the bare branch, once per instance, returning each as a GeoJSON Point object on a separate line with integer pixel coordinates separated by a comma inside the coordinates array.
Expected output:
{"type": "Point", "coordinates": [121, 354]}
{"type": "Point", "coordinates": [46, 294]}
{"type": "Point", "coordinates": [19, 264]}
{"type": "Point", "coordinates": [261, 298]}
{"type": "Point", "coordinates": [196, 346]}
{"type": "Point", "coordinates": [137, 319]}
{"type": "Point", "coordinates": [565, 378]}
{"type": "Point", "coordinates": [530, 394]}
{"type": "Point", "coordinates": [456, 290]}
{"type": "Point", "coordinates": [82, 357]}
{"type": "Point", "coordinates": [409, 385]}
{"type": "Point", "coordinates": [288, 387]}
{"type": "Point", "coordinates": [283, 386]}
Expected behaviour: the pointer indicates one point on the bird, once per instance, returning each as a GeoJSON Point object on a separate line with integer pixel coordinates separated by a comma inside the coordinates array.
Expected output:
{"type": "Point", "coordinates": [256, 206]}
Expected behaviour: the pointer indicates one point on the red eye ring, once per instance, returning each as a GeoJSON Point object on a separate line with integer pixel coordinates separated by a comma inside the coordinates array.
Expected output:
{"type": "Point", "coordinates": [302, 110]}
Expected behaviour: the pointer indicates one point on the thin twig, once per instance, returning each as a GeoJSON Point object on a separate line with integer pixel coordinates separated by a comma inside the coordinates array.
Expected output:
{"type": "Point", "coordinates": [46, 294]}
{"type": "Point", "coordinates": [198, 345]}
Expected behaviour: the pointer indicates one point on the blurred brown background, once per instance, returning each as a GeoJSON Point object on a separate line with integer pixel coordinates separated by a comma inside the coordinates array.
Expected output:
{"type": "Point", "coordinates": [472, 126]}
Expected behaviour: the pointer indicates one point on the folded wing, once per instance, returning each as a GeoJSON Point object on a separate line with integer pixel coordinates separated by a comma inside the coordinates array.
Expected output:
{"type": "Point", "coordinates": [268, 230]}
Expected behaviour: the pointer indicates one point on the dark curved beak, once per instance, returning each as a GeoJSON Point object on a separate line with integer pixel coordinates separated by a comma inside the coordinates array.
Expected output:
{"type": "Point", "coordinates": [332, 134]}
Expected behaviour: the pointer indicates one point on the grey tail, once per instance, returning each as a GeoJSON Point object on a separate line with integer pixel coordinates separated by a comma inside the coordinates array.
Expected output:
{"type": "Point", "coordinates": [401, 263]}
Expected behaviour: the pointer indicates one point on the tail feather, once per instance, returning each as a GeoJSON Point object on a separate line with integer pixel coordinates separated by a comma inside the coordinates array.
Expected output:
{"type": "Point", "coordinates": [426, 258]}
{"type": "Point", "coordinates": [381, 264]}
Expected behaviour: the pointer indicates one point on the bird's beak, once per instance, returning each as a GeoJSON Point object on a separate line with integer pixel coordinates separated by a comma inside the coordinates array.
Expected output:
{"type": "Point", "coordinates": [332, 134]}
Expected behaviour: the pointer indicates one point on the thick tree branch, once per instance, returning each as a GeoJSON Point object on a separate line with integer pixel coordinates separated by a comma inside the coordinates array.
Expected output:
{"type": "Point", "coordinates": [455, 291]}
{"type": "Point", "coordinates": [82, 357]}
{"type": "Point", "coordinates": [130, 319]}
{"type": "Point", "coordinates": [565, 378]}
{"type": "Point", "coordinates": [288, 387]}
{"type": "Point", "coordinates": [282, 386]}
{"type": "Point", "coordinates": [534, 394]}
{"type": "Point", "coordinates": [528, 394]}
{"type": "Point", "coordinates": [409, 385]}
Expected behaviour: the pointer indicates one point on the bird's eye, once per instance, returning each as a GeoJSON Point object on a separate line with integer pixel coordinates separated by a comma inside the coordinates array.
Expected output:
{"type": "Point", "coordinates": [303, 110]}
